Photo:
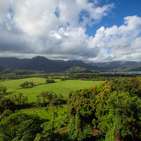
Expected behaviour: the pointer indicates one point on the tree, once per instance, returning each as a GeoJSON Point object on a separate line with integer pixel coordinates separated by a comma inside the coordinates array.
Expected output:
{"type": "Point", "coordinates": [82, 114]}
{"type": "Point", "coordinates": [131, 85]}
{"type": "Point", "coordinates": [3, 91]}
{"type": "Point", "coordinates": [50, 81]}
{"type": "Point", "coordinates": [19, 99]}
{"type": "Point", "coordinates": [20, 127]}
{"type": "Point", "coordinates": [119, 116]}
{"type": "Point", "coordinates": [5, 104]}
{"type": "Point", "coordinates": [50, 98]}
{"type": "Point", "coordinates": [27, 84]}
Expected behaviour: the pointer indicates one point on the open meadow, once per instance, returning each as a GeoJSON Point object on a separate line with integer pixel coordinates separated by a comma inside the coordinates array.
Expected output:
{"type": "Point", "coordinates": [60, 87]}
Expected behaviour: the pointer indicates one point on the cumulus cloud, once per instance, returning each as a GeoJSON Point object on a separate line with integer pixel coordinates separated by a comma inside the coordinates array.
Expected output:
{"type": "Point", "coordinates": [53, 28]}
{"type": "Point", "coordinates": [70, 43]}
{"type": "Point", "coordinates": [120, 42]}
{"type": "Point", "coordinates": [57, 29]}
{"type": "Point", "coordinates": [4, 5]}
{"type": "Point", "coordinates": [39, 18]}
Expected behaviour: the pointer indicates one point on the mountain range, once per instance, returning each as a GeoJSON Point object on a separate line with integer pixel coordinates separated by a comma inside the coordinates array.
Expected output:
{"type": "Point", "coordinates": [43, 64]}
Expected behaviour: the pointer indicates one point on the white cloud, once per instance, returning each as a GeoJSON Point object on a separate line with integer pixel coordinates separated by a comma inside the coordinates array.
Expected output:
{"type": "Point", "coordinates": [37, 18]}
{"type": "Point", "coordinates": [69, 43]}
{"type": "Point", "coordinates": [54, 29]}
{"type": "Point", "coordinates": [49, 28]}
{"type": "Point", "coordinates": [119, 42]}
{"type": "Point", "coordinates": [4, 5]}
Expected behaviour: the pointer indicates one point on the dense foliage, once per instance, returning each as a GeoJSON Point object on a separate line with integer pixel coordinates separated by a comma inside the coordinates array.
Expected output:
{"type": "Point", "coordinates": [20, 127]}
{"type": "Point", "coordinates": [109, 112]}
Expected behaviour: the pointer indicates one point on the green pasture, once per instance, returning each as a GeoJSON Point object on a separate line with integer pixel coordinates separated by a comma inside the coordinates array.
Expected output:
{"type": "Point", "coordinates": [60, 87]}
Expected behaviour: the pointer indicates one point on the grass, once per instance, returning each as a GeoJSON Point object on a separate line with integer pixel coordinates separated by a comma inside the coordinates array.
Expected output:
{"type": "Point", "coordinates": [13, 85]}
{"type": "Point", "coordinates": [60, 115]}
{"type": "Point", "coordinates": [44, 113]}
{"type": "Point", "coordinates": [60, 87]}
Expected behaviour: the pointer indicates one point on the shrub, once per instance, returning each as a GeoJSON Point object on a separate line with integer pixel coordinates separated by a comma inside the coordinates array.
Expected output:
{"type": "Point", "coordinates": [118, 110]}
{"type": "Point", "coordinates": [131, 85]}
{"type": "Point", "coordinates": [50, 81]}
{"type": "Point", "coordinates": [20, 127]}
{"type": "Point", "coordinates": [3, 91]}
{"type": "Point", "coordinates": [50, 98]}
{"type": "Point", "coordinates": [6, 104]}
{"type": "Point", "coordinates": [82, 113]}
{"type": "Point", "coordinates": [19, 99]}
{"type": "Point", "coordinates": [27, 85]}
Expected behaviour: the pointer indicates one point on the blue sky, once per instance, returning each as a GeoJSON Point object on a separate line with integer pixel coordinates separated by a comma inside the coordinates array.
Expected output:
{"type": "Point", "coordinates": [121, 9]}
{"type": "Point", "coordinates": [89, 30]}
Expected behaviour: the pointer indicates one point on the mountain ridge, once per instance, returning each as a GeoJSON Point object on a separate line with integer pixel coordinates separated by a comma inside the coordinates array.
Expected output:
{"type": "Point", "coordinates": [43, 64]}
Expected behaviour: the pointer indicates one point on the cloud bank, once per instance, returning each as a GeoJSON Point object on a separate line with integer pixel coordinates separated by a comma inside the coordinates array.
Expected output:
{"type": "Point", "coordinates": [57, 29]}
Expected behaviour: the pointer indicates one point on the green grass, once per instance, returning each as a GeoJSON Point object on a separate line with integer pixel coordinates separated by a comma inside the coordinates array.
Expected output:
{"type": "Point", "coordinates": [13, 85]}
{"type": "Point", "coordinates": [60, 115]}
{"type": "Point", "coordinates": [60, 87]}
{"type": "Point", "coordinates": [44, 113]}
{"type": "Point", "coordinates": [41, 112]}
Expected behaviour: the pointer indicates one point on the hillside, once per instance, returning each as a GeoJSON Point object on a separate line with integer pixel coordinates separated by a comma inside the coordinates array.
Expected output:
{"type": "Point", "coordinates": [43, 64]}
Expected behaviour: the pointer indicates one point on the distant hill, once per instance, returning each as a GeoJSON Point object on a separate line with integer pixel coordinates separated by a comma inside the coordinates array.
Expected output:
{"type": "Point", "coordinates": [40, 64]}
{"type": "Point", "coordinates": [118, 66]}
{"type": "Point", "coordinates": [43, 64]}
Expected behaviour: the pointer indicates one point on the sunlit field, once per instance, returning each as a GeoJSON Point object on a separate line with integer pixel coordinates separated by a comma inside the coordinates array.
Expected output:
{"type": "Point", "coordinates": [62, 88]}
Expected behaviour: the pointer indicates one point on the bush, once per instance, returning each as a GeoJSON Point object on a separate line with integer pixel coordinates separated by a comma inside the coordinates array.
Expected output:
{"type": "Point", "coordinates": [3, 91]}
{"type": "Point", "coordinates": [27, 85]}
{"type": "Point", "coordinates": [19, 99]}
{"type": "Point", "coordinates": [131, 85]}
{"type": "Point", "coordinates": [20, 127]}
{"type": "Point", "coordinates": [50, 81]}
{"type": "Point", "coordinates": [50, 98]}
{"type": "Point", "coordinates": [6, 113]}
{"type": "Point", "coordinates": [82, 113]}
{"type": "Point", "coordinates": [6, 104]}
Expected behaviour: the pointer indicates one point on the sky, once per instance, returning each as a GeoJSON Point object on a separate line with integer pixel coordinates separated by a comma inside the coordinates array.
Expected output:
{"type": "Point", "coordinates": [88, 30]}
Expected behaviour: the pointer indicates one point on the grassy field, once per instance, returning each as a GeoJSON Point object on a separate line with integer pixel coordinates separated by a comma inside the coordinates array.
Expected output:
{"type": "Point", "coordinates": [60, 87]}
